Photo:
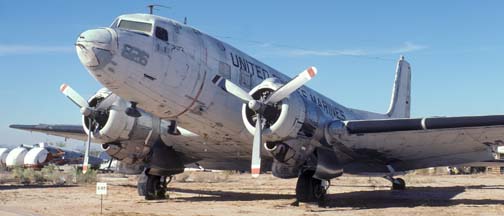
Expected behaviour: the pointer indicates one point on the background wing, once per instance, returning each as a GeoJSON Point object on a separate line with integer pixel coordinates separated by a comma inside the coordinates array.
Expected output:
{"type": "Point", "coordinates": [67, 131]}
{"type": "Point", "coordinates": [419, 143]}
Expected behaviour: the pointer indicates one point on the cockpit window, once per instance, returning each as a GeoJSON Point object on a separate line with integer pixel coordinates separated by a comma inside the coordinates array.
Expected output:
{"type": "Point", "coordinates": [161, 33]}
{"type": "Point", "coordinates": [135, 26]}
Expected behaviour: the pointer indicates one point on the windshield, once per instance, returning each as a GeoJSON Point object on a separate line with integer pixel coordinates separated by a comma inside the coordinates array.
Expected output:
{"type": "Point", "coordinates": [135, 26]}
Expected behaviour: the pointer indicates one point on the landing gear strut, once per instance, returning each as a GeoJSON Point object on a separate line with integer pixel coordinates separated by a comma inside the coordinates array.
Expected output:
{"type": "Point", "coordinates": [397, 183]}
{"type": "Point", "coordinates": [309, 189]}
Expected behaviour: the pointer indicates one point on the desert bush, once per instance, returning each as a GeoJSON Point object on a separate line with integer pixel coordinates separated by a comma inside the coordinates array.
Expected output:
{"type": "Point", "coordinates": [34, 176]}
{"type": "Point", "coordinates": [20, 175]}
{"type": "Point", "coordinates": [53, 175]}
{"type": "Point", "coordinates": [50, 174]}
{"type": "Point", "coordinates": [84, 178]}
{"type": "Point", "coordinates": [27, 176]}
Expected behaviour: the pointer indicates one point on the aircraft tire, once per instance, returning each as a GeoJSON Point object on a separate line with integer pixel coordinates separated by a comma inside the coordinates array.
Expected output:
{"type": "Point", "coordinates": [154, 188]}
{"type": "Point", "coordinates": [309, 189]}
{"type": "Point", "coordinates": [400, 185]}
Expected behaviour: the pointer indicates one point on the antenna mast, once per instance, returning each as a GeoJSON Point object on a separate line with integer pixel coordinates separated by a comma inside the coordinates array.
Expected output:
{"type": "Point", "coordinates": [152, 7]}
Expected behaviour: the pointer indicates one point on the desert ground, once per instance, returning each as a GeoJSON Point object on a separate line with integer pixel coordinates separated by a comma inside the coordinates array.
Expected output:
{"type": "Point", "coordinates": [202, 193]}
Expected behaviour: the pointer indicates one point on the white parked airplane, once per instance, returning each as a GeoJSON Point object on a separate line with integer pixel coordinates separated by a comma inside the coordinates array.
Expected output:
{"type": "Point", "coordinates": [179, 77]}
{"type": "Point", "coordinates": [40, 154]}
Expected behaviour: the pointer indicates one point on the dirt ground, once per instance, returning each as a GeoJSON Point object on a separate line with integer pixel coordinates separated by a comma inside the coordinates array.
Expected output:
{"type": "Point", "coordinates": [235, 194]}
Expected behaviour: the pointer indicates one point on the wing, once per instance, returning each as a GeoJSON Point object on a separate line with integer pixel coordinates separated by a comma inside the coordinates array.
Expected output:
{"type": "Point", "coordinates": [215, 157]}
{"type": "Point", "coordinates": [67, 131]}
{"type": "Point", "coordinates": [408, 144]}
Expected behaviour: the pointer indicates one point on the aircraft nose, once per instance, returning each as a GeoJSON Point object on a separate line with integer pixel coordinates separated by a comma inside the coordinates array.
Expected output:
{"type": "Point", "coordinates": [100, 36]}
{"type": "Point", "coordinates": [95, 47]}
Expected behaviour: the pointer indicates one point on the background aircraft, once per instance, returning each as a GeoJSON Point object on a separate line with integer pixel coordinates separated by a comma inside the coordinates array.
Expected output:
{"type": "Point", "coordinates": [39, 155]}
{"type": "Point", "coordinates": [165, 74]}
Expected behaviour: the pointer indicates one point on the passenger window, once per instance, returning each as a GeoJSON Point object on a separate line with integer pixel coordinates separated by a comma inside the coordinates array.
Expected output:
{"type": "Point", "coordinates": [161, 33]}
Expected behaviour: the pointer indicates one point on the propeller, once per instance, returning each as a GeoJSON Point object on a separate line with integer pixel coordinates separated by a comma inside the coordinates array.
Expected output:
{"type": "Point", "coordinates": [87, 111]}
{"type": "Point", "coordinates": [259, 106]}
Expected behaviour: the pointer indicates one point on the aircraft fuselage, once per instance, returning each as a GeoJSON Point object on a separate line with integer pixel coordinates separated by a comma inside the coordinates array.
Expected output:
{"type": "Point", "coordinates": [169, 74]}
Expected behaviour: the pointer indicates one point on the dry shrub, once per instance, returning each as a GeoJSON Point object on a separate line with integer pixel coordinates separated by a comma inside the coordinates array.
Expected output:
{"type": "Point", "coordinates": [22, 175]}
{"type": "Point", "coordinates": [52, 175]}
{"type": "Point", "coordinates": [84, 178]}
{"type": "Point", "coordinates": [49, 174]}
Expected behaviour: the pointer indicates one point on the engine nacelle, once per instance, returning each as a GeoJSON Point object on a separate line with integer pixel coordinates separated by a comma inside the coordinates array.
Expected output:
{"type": "Point", "coordinates": [112, 123]}
{"type": "Point", "coordinates": [3, 155]}
{"type": "Point", "coordinates": [35, 157]}
{"type": "Point", "coordinates": [125, 138]}
{"type": "Point", "coordinates": [283, 120]}
{"type": "Point", "coordinates": [16, 156]}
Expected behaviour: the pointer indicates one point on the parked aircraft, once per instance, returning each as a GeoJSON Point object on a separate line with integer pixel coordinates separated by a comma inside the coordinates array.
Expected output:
{"type": "Point", "coordinates": [38, 155]}
{"type": "Point", "coordinates": [240, 113]}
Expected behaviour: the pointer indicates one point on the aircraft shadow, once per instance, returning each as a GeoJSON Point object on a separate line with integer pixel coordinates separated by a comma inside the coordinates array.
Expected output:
{"type": "Point", "coordinates": [376, 199]}
{"type": "Point", "coordinates": [228, 195]}
{"type": "Point", "coordinates": [412, 197]}
{"type": "Point", "coordinates": [15, 187]}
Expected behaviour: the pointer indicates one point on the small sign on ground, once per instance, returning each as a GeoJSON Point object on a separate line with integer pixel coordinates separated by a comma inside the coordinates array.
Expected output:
{"type": "Point", "coordinates": [101, 188]}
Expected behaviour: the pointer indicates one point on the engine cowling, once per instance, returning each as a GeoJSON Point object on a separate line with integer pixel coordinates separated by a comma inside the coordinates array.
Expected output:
{"type": "Point", "coordinates": [35, 157]}
{"type": "Point", "coordinates": [283, 120]}
{"type": "Point", "coordinates": [124, 137]}
{"type": "Point", "coordinates": [291, 127]}
{"type": "Point", "coordinates": [15, 158]}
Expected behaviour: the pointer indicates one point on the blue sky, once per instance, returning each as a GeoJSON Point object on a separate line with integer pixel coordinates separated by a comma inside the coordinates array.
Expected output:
{"type": "Point", "coordinates": [454, 47]}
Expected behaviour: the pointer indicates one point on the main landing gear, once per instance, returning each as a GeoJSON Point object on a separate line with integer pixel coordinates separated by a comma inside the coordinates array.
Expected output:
{"type": "Point", "coordinates": [153, 187]}
{"type": "Point", "coordinates": [309, 189]}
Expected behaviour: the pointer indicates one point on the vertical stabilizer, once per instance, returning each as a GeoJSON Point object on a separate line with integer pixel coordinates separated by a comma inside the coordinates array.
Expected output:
{"type": "Point", "coordinates": [401, 93]}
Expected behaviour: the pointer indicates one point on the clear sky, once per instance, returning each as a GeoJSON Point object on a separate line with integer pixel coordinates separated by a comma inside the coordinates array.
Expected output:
{"type": "Point", "coordinates": [454, 47]}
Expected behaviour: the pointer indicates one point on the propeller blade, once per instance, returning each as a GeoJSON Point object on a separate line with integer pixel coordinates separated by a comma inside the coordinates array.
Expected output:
{"type": "Point", "coordinates": [256, 148]}
{"type": "Point", "coordinates": [292, 85]}
{"type": "Point", "coordinates": [232, 88]}
{"type": "Point", "coordinates": [105, 103]}
{"type": "Point", "coordinates": [88, 146]}
{"type": "Point", "coordinates": [74, 96]}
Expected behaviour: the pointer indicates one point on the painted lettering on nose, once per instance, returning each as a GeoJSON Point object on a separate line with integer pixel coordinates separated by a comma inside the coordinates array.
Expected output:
{"type": "Point", "coordinates": [135, 54]}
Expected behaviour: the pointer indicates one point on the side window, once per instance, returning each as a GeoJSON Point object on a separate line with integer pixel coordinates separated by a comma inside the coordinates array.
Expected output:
{"type": "Point", "coordinates": [161, 33]}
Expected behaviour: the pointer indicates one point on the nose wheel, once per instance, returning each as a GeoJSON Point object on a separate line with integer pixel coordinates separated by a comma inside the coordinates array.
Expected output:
{"type": "Point", "coordinates": [309, 189]}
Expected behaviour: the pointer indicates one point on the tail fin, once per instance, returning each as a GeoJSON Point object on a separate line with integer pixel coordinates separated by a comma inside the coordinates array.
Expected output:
{"type": "Point", "coordinates": [401, 93]}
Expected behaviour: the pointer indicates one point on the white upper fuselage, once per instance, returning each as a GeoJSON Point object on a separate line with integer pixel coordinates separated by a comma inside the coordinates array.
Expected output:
{"type": "Point", "coordinates": [171, 76]}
